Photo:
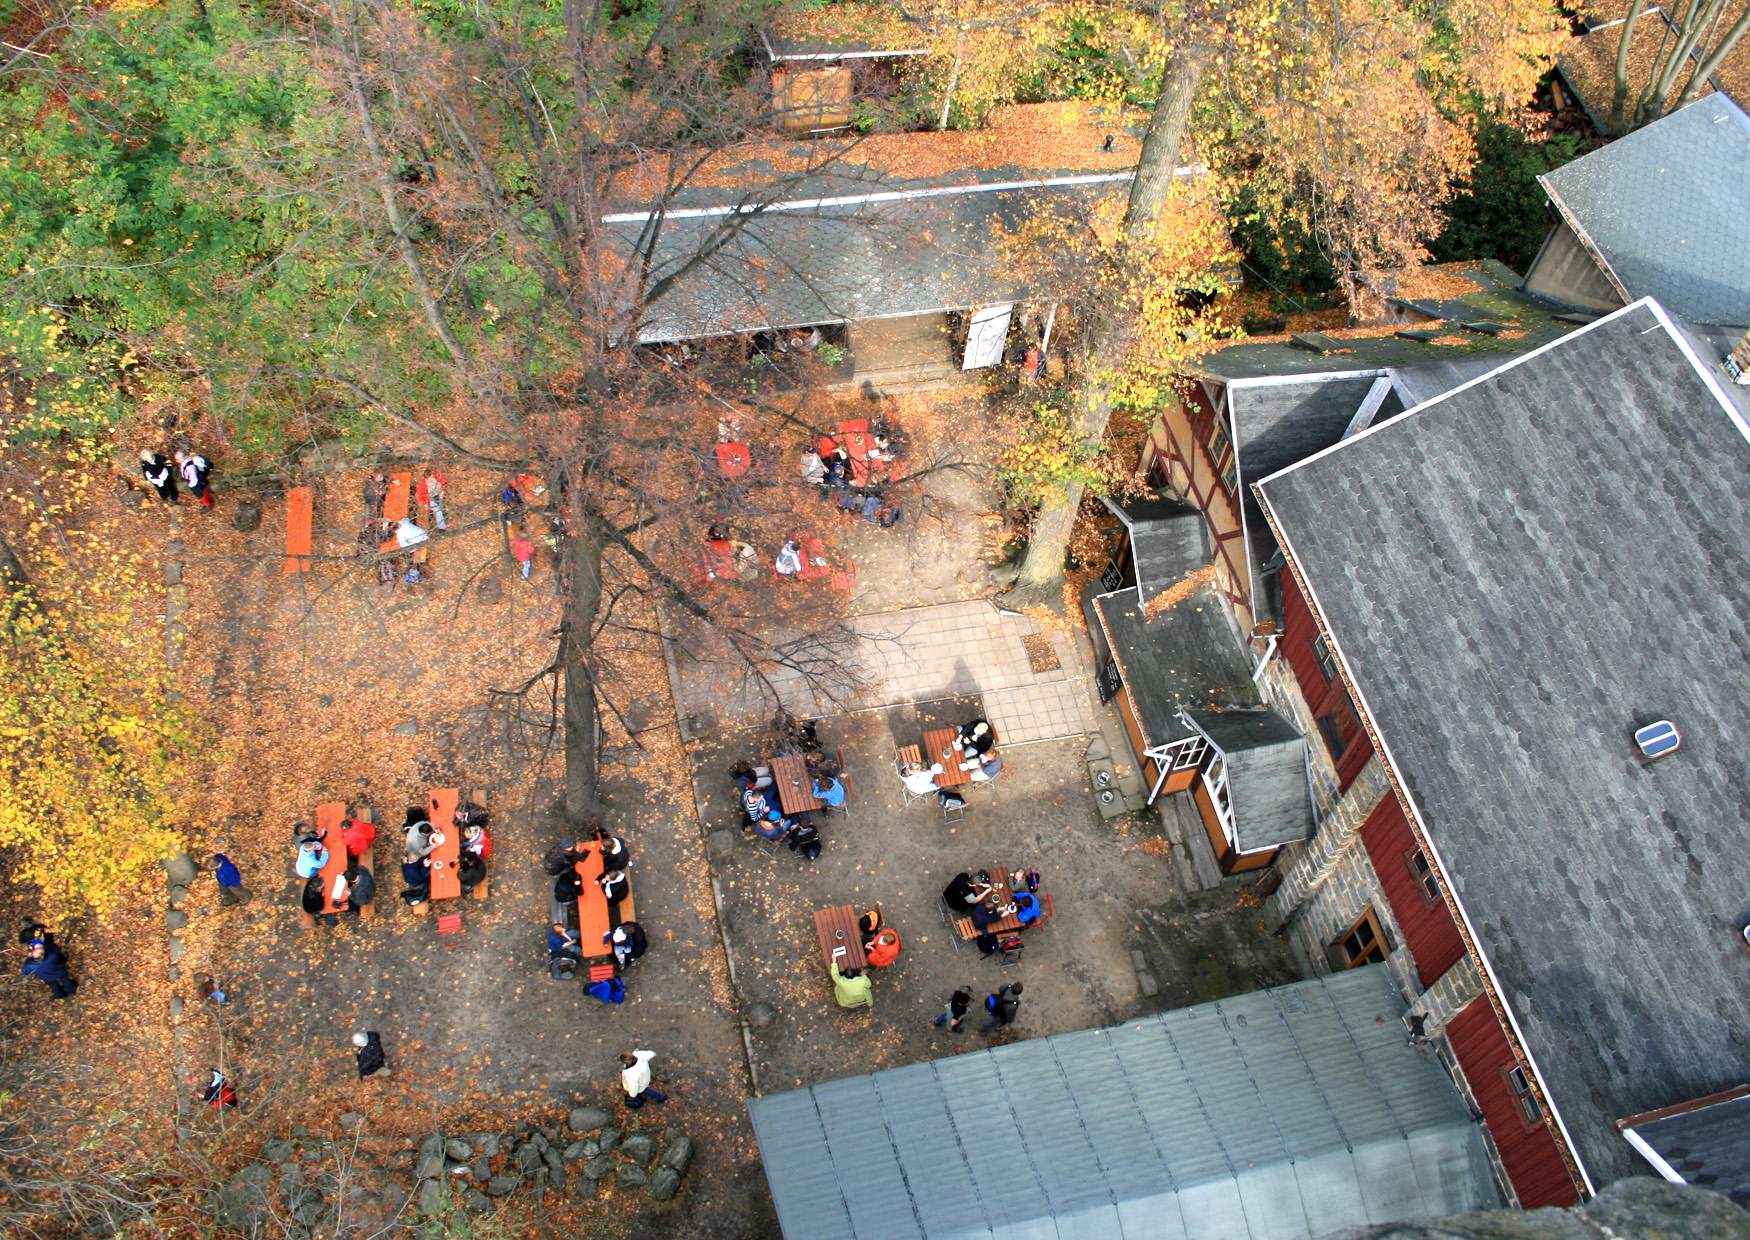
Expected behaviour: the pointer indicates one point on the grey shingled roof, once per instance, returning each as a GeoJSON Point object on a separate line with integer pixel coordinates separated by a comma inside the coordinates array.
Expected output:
{"type": "Point", "coordinates": [1279, 1114]}
{"type": "Point", "coordinates": [1185, 658]}
{"type": "Point", "coordinates": [1668, 209]}
{"type": "Point", "coordinates": [1515, 577]}
{"type": "Point", "coordinates": [1266, 775]}
{"type": "Point", "coordinates": [1708, 1145]}
{"type": "Point", "coordinates": [1277, 424]}
{"type": "Point", "coordinates": [833, 264]}
{"type": "Point", "coordinates": [1168, 538]}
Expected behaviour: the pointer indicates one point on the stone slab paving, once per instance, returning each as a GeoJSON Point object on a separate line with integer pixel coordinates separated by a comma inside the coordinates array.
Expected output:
{"type": "Point", "coordinates": [915, 654]}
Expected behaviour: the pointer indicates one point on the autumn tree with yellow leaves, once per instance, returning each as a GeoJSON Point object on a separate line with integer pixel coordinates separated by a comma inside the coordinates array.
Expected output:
{"type": "Point", "coordinates": [1352, 117]}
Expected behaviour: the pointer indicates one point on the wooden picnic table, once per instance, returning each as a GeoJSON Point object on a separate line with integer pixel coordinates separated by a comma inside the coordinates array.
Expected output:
{"type": "Point", "coordinates": [446, 873]}
{"type": "Point", "coordinates": [330, 819]}
{"type": "Point", "coordinates": [300, 507]}
{"type": "Point", "coordinates": [593, 921]}
{"type": "Point", "coordinates": [1002, 887]}
{"type": "Point", "coordinates": [794, 784]}
{"type": "Point", "coordinates": [938, 746]}
{"type": "Point", "coordinates": [837, 927]}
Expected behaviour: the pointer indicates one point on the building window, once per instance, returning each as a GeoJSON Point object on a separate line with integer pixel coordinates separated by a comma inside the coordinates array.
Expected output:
{"type": "Point", "coordinates": [1423, 873]}
{"type": "Point", "coordinates": [1339, 726]}
{"type": "Point", "coordinates": [1519, 1087]}
{"type": "Point", "coordinates": [1364, 943]}
{"type": "Point", "coordinates": [1218, 440]}
{"type": "Point", "coordinates": [1158, 476]}
{"type": "Point", "coordinates": [1327, 660]}
{"type": "Point", "coordinates": [1230, 476]}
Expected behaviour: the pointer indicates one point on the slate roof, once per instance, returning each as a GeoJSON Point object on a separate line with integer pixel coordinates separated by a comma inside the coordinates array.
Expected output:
{"type": "Point", "coordinates": [1266, 775]}
{"type": "Point", "coordinates": [1527, 569]}
{"type": "Point", "coordinates": [1706, 1143]}
{"type": "Point", "coordinates": [1186, 657]}
{"type": "Point", "coordinates": [836, 263]}
{"type": "Point", "coordinates": [1665, 207]}
{"type": "Point", "coordinates": [1168, 538]}
{"type": "Point", "coordinates": [1279, 1114]}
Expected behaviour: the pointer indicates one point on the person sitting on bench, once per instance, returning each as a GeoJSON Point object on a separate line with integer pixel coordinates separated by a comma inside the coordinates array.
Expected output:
{"type": "Point", "coordinates": [567, 887]}
{"type": "Point", "coordinates": [312, 856]}
{"type": "Point", "coordinates": [470, 869]}
{"type": "Point", "coordinates": [562, 943]}
{"type": "Point", "coordinates": [789, 561]}
{"type": "Point", "coordinates": [755, 805]}
{"type": "Point", "coordinates": [361, 887]}
{"type": "Point", "coordinates": [750, 778]}
{"type": "Point", "coordinates": [628, 941]}
{"type": "Point", "coordinates": [615, 854]}
{"type": "Point", "coordinates": [419, 831]}
{"type": "Point", "coordinates": [475, 840]}
{"type": "Point", "coordinates": [614, 885]}
{"type": "Point", "coordinates": [415, 879]}
{"type": "Point", "coordinates": [965, 893]}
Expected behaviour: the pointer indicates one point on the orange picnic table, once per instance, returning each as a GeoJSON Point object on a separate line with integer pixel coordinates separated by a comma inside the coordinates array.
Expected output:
{"type": "Point", "coordinates": [594, 923]}
{"type": "Point", "coordinates": [330, 818]}
{"type": "Point", "coordinates": [395, 507]}
{"type": "Point", "coordinates": [300, 508]}
{"type": "Point", "coordinates": [446, 877]}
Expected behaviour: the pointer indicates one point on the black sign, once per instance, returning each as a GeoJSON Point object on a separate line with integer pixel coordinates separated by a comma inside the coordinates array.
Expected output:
{"type": "Point", "coordinates": [1111, 681]}
{"type": "Point", "coordinates": [1112, 578]}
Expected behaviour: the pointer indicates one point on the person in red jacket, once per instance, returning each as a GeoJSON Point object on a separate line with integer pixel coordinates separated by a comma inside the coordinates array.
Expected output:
{"type": "Point", "coordinates": [477, 841]}
{"type": "Point", "coordinates": [359, 836]}
{"type": "Point", "coordinates": [524, 550]}
{"type": "Point", "coordinates": [883, 949]}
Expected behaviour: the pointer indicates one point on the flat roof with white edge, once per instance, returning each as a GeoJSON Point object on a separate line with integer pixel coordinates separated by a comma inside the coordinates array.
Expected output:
{"type": "Point", "coordinates": [1515, 576]}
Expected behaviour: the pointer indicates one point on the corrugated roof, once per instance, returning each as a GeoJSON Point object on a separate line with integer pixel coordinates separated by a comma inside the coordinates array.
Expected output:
{"type": "Point", "coordinates": [1266, 775]}
{"type": "Point", "coordinates": [1278, 1114]}
{"type": "Point", "coordinates": [832, 264]}
{"type": "Point", "coordinates": [1668, 208]}
{"type": "Point", "coordinates": [1523, 572]}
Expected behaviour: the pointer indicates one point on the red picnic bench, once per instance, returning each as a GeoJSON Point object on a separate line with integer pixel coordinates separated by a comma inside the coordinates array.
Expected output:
{"type": "Point", "coordinates": [300, 507]}
{"type": "Point", "coordinates": [330, 818]}
{"type": "Point", "coordinates": [595, 920]}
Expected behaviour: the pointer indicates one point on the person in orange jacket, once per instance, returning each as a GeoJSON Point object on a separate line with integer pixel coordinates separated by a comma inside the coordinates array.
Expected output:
{"type": "Point", "coordinates": [883, 949]}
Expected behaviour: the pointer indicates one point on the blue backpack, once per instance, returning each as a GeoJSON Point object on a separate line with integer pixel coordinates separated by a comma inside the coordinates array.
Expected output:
{"type": "Point", "coordinates": [609, 990]}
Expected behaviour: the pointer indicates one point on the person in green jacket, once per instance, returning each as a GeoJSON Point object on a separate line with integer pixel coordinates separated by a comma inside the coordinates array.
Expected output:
{"type": "Point", "coordinates": [851, 988]}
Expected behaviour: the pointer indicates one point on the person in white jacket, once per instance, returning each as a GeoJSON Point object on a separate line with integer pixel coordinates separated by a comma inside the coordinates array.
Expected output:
{"type": "Point", "coordinates": [635, 1079]}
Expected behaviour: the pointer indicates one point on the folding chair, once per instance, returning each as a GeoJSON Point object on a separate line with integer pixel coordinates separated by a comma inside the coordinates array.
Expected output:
{"type": "Point", "coordinates": [951, 921]}
{"type": "Point", "coordinates": [954, 811]}
{"type": "Point", "coordinates": [908, 761]}
{"type": "Point", "coordinates": [1010, 957]}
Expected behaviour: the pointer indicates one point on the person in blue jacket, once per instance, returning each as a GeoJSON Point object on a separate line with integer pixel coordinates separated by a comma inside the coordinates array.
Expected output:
{"type": "Point", "coordinates": [48, 964]}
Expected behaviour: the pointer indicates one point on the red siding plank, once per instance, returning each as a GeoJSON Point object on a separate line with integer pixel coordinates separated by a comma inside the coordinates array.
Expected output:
{"type": "Point", "coordinates": [1530, 1155]}
{"type": "Point", "coordinates": [1299, 632]}
{"type": "Point", "coordinates": [1429, 931]}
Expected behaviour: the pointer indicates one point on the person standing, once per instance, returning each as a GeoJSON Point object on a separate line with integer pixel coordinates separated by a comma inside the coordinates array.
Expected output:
{"type": "Point", "coordinates": [376, 493]}
{"type": "Point", "coordinates": [48, 964]}
{"type": "Point", "coordinates": [524, 551]}
{"type": "Point", "coordinates": [159, 474]}
{"type": "Point", "coordinates": [954, 1015]}
{"type": "Point", "coordinates": [368, 1051]}
{"type": "Point", "coordinates": [231, 888]}
{"type": "Point", "coordinates": [430, 494]}
{"type": "Point", "coordinates": [635, 1079]}
{"type": "Point", "coordinates": [194, 469]}
{"type": "Point", "coordinates": [1003, 1007]}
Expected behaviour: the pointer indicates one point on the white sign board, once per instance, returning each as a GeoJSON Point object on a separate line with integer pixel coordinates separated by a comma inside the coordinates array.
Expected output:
{"type": "Point", "coordinates": [988, 334]}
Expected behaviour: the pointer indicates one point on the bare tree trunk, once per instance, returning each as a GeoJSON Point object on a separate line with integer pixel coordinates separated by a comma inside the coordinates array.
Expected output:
{"type": "Point", "coordinates": [1619, 93]}
{"type": "Point", "coordinates": [1108, 336]}
{"type": "Point", "coordinates": [1714, 59]}
{"type": "Point", "coordinates": [12, 573]}
{"type": "Point", "coordinates": [953, 80]}
{"type": "Point", "coordinates": [582, 550]}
